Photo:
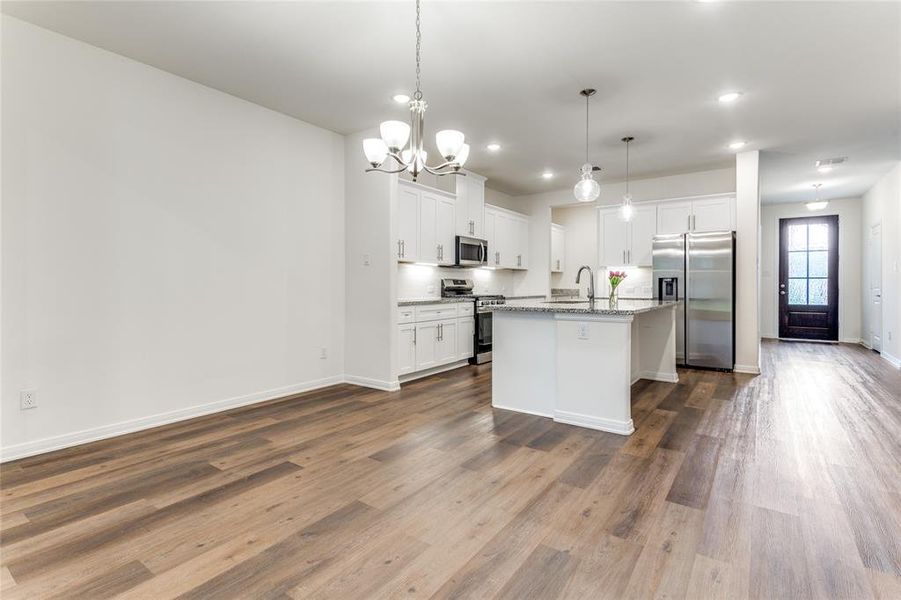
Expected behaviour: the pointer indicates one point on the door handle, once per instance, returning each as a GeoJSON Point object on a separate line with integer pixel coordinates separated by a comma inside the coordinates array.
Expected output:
{"type": "Point", "coordinates": [781, 292]}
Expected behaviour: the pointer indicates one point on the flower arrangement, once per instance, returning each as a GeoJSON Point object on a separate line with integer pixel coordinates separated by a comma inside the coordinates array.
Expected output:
{"type": "Point", "coordinates": [616, 278]}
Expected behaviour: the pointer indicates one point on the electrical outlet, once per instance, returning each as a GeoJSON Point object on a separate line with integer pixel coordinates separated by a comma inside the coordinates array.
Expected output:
{"type": "Point", "coordinates": [28, 399]}
{"type": "Point", "coordinates": [583, 331]}
{"type": "Point", "coordinates": [367, 260]}
{"type": "Point", "coordinates": [323, 353]}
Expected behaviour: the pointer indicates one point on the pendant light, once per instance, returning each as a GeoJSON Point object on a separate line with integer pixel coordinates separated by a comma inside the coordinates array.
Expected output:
{"type": "Point", "coordinates": [587, 189]}
{"type": "Point", "coordinates": [394, 135]}
{"type": "Point", "coordinates": [625, 210]}
{"type": "Point", "coordinates": [817, 204]}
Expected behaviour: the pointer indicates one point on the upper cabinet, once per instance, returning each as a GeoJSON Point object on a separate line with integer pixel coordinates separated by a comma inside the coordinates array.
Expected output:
{"type": "Point", "coordinates": [507, 233]}
{"type": "Point", "coordinates": [714, 213]}
{"type": "Point", "coordinates": [558, 248]}
{"type": "Point", "coordinates": [627, 243]}
{"type": "Point", "coordinates": [425, 225]}
{"type": "Point", "coordinates": [471, 205]}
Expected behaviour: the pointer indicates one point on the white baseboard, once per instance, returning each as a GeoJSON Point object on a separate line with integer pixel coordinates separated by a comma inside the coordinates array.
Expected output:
{"type": "Point", "coordinates": [377, 384]}
{"type": "Point", "coordinates": [609, 425]}
{"type": "Point", "coordinates": [521, 410]}
{"type": "Point", "coordinates": [750, 369]}
{"type": "Point", "coordinates": [433, 371]}
{"type": "Point", "coordinates": [659, 376]}
{"type": "Point", "coordinates": [850, 340]}
{"type": "Point", "coordinates": [864, 343]}
{"type": "Point", "coordinates": [895, 362]}
{"type": "Point", "coordinates": [115, 429]}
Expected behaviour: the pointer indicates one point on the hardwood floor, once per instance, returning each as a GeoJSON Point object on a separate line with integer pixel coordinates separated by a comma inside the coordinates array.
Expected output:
{"type": "Point", "coordinates": [785, 485]}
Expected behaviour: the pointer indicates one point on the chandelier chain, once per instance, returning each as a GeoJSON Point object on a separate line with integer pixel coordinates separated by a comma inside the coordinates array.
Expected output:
{"type": "Point", "coordinates": [418, 94]}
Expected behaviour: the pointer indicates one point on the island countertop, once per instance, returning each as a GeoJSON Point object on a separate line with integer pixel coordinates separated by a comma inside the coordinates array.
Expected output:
{"type": "Point", "coordinates": [601, 306]}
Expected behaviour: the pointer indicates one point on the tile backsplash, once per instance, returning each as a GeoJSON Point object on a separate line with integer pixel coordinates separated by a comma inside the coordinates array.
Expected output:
{"type": "Point", "coordinates": [638, 283]}
{"type": "Point", "coordinates": [424, 281]}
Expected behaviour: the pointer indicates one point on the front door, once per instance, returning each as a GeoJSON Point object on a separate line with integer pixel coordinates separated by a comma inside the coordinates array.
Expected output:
{"type": "Point", "coordinates": [808, 278]}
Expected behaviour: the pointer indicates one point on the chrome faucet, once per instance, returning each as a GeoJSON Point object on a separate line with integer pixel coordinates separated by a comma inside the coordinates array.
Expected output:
{"type": "Point", "coordinates": [590, 281]}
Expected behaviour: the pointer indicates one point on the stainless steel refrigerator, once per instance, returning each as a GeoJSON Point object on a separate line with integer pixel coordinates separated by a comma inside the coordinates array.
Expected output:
{"type": "Point", "coordinates": [699, 269]}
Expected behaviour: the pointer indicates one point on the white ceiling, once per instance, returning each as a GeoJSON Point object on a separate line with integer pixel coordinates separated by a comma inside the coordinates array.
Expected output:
{"type": "Point", "coordinates": [820, 80]}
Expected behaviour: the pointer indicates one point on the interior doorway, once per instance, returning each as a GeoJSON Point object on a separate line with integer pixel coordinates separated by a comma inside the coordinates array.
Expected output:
{"type": "Point", "coordinates": [808, 278]}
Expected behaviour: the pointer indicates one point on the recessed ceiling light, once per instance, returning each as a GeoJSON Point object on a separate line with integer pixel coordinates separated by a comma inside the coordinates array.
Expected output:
{"type": "Point", "coordinates": [737, 145]}
{"type": "Point", "coordinates": [547, 175]}
{"type": "Point", "coordinates": [824, 169]}
{"type": "Point", "coordinates": [493, 147]}
{"type": "Point", "coordinates": [401, 98]}
{"type": "Point", "coordinates": [729, 97]}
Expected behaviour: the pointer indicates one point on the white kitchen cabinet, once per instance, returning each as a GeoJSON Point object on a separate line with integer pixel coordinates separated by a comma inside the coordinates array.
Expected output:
{"type": "Point", "coordinates": [446, 342]}
{"type": "Point", "coordinates": [508, 238]}
{"type": "Point", "coordinates": [641, 235]}
{"type": "Point", "coordinates": [466, 327]}
{"type": "Point", "coordinates": [407, 223]}
{"type": "Point", "coordinates": [614, 238]}
{"type": "Point", "coordinates": [520, 250]}
{"type": "Point", "coordinates": [445, 231]}
{"type": "Point", "coordinates": [627, 243]}
{"type": "Point", "coordinates": [714, 213]}
{"type": "Point", "coordinates": [674, 217]}
{"type": "Point", "coordinates": [558, 248]}
{"type": "Point", "coordinates": [406, 348]}
{"type": "Point", "coordinates": [425, 225]}
{"type": "Point", "coordinates": [470, 214]}
{"type": "Point", "coordinates": [426, 345]}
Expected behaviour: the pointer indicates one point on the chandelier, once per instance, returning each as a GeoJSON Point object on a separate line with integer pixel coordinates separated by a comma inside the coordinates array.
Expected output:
{"type": "Point", "coordinates": [412, 157]}
{"type": "Point", "coordinates": [587, 189]}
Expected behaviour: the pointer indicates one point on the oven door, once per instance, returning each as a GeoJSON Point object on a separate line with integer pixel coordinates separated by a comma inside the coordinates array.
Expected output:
{"type": "Point", "coordinates": [471, 252]}
{"type": "Point", "coordinates": [483, 337]}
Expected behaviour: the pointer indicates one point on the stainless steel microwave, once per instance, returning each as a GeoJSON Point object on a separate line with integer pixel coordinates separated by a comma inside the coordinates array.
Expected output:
{"type": "Point", "coordinates": [471, 252]}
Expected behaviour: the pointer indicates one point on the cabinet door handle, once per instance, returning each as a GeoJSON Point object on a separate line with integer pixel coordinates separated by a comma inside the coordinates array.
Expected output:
{"type": "Point", "coordinates": [399, 255]}
{"type": "Point", "coordinates": [689, 222]}
{"type": "Point", "coordinates": [414, 334]}
{"type": "Point", "coordinates": [403, 248]}
{"type": "Point", "coordinates": [497, 258]}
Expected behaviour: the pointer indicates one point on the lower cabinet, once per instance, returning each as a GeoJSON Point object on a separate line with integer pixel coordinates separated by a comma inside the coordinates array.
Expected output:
{"type": "Point", "coordinates": [428, 344]}
{"type": "Point", "coordinates": [466, 331]}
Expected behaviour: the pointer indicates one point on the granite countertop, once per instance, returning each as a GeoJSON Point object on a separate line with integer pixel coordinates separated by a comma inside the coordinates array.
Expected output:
{"type": "Point", "coordinates": [415, 301]}
{"type": "Point", "coordinates": [601, 306]}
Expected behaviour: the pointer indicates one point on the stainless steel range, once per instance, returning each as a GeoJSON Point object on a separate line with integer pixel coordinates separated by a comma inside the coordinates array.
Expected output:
{"type": "Point", "coordinates": [462, 288]}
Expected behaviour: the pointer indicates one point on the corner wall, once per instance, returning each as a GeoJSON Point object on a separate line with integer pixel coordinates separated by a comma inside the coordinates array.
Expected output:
{"type": "Point", "coordinates": [168, 250]}
{"type": "Point", "coordinates": [882, 205]}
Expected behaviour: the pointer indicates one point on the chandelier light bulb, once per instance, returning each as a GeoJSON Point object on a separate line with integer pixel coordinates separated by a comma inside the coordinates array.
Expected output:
{"type": "Point", "coordinates": [376, 151]}
{"type": "Point", "coordinates": [449, 142]}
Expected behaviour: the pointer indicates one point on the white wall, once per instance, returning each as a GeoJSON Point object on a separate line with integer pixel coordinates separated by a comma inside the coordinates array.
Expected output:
{"type": "Point", "coordinates": [849, 257]}
{"type": "Point", "coordinates": [415, 282]}
{"type": "Point", "coordinates": [882, 204]}
{"type": "Point", "coordinates": [167, 249]}
{"type": "Point", "coordinates": [747, 262]}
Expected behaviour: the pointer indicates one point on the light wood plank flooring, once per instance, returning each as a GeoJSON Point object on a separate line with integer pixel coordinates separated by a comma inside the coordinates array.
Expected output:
{"type": "Point", "coordinates": [786, 485]}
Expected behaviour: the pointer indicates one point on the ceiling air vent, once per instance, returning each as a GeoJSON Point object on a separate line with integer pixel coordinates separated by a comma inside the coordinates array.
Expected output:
{"type": "Point", "coordinates": [831, 162]}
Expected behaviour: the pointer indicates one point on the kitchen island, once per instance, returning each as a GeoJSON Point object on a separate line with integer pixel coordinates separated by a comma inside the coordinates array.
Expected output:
{"type": "Point", "coordinates": [575, 361]}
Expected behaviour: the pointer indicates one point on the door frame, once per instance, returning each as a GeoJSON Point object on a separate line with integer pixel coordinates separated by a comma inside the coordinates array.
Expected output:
{"type": "Point", "coordinates": [866, 336]}
{"type": "Point", "coordinates": [833, 289]}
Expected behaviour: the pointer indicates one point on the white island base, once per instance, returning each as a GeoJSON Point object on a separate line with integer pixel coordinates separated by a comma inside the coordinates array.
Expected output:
{"type": "Point", "coordinates": [578, 367]}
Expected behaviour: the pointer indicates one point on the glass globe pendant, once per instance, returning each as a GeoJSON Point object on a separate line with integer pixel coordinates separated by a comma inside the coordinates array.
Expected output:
{"type": "Point", "coordinates": [587, 189]}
